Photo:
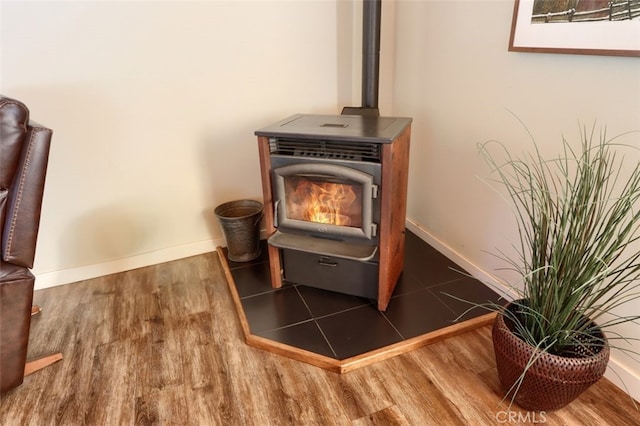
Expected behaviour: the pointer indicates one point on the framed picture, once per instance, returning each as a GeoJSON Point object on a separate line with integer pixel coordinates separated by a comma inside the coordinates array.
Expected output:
{"type": "Point", "coordinates": [595, 27]}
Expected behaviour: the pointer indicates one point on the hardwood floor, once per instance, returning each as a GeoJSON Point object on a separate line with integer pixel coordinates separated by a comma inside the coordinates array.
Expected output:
{"type": "Point", "coordinates": [163, 345]}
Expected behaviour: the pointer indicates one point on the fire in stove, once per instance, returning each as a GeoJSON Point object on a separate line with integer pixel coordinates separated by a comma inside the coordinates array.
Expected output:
{"type": "Point", "coordinates": [323, 202]}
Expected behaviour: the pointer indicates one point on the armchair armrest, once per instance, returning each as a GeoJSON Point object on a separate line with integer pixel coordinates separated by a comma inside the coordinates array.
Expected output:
{"type": "Point", "coordinates": [25, 198]}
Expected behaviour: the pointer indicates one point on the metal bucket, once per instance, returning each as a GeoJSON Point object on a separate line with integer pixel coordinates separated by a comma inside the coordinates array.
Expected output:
{"type": "Point", "coordinates": [240, 223]}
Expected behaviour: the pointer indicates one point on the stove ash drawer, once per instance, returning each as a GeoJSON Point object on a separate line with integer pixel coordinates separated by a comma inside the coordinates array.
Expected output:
{"type": "Point", "coordinates": [331, 273]}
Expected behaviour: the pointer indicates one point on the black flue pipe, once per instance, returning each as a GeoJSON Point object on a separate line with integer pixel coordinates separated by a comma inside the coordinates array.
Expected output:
{"type": "Point", "coordinates": [371, 18]}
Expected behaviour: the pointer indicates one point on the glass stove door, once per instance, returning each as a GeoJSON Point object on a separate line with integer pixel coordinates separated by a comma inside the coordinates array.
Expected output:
{"type": "Point", "coordinates": [330, 199]}
{"type": "Point", "coordinates": [323, 199]}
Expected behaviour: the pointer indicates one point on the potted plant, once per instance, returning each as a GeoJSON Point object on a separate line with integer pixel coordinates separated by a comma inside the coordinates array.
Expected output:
{"type": "Point", "coordinates": [578, 261]}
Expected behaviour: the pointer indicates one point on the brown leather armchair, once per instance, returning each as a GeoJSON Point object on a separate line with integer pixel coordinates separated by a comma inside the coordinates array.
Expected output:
{"type": "Point", "coordinates": [24, 153]}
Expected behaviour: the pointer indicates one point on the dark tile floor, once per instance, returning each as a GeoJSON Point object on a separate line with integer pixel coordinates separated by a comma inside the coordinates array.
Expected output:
{"type": "Point", "coordinates": [341, 326]}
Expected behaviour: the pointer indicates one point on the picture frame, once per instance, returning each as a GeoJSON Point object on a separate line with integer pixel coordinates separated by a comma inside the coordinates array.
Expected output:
{"type": "Point", "coordinates": [577, 32]}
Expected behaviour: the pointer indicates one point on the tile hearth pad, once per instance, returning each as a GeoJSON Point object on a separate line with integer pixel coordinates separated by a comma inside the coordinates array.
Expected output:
{"type": "Point", "coordinates": [323, 327]}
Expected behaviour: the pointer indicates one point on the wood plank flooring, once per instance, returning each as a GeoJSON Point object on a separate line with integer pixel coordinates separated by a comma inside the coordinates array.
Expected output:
{"type": "Point", "coordinates": [163, 345]}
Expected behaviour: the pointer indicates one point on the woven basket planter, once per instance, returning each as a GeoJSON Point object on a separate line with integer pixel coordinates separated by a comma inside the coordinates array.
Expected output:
{"type": "Point", "coordinates": [552, 381]}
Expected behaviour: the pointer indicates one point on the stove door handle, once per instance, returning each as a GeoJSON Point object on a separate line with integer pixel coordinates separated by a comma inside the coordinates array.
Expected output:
{"type": "Point", "coordinates": [275, 213]}
{"type": "Point", "coordinates": [326, 261]}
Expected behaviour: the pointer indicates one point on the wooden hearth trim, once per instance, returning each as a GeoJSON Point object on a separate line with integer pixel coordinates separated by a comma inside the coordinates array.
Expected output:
{"type": "Point", "coordinates": [244, 323]}
{"type": "Point", "coordinates": [348, 364]}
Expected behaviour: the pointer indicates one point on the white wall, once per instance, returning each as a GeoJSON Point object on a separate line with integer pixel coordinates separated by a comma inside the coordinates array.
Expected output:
{"type": "Point", "coordinates": [455, 77]}
{"type": "Point", "coordinates": [153, 107]}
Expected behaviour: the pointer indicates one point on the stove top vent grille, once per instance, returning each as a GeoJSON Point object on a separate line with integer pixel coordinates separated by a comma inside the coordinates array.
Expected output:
{"type": "Point", "coordinates": [330, 150]}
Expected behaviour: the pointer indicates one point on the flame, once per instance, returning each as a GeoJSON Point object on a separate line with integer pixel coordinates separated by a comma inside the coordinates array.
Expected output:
{"type": "Point", "coordinates": [322, 202]}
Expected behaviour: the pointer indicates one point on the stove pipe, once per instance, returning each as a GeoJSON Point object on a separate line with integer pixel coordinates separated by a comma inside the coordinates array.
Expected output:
{"type": "Point", "coordinates": [371, 18]}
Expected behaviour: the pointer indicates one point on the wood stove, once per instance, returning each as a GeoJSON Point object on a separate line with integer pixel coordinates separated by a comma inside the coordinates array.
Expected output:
{"type": "Point", "coordinates": [335, 201]}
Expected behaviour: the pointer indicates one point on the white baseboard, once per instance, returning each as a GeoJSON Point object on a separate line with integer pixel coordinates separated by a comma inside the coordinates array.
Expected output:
{"type": "Point", "coordinates": [81, 273]}
{"type": "Point", "coordinates": [491, 280]}
{"type": "Point", "coordinates": [617, 372]}
{"type": "Point", "coordinates": [623, 377]}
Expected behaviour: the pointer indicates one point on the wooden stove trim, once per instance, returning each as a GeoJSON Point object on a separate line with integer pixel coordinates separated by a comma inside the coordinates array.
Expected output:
{"type": "Point", "coordinates": [393, 213]}
{"type": "Point", "coordinates": [267, 195]}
